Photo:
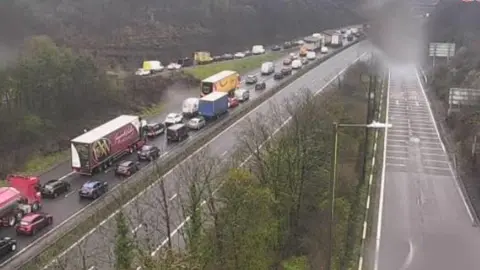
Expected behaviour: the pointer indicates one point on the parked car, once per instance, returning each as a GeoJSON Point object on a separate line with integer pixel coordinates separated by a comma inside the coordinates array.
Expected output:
{"type": "Point", "coordinates": [293, 56]}
{"type": "Point", "coordinates": [177, 132]}
{"type": "Point", "coordinates": [239, 55]}
{"type": "Point", "coordinates": [287, 61]}
{"type": "Point", "coordinates": [126, 168]}
{"type": "Point", "coordinates": [174, 66]}
{"type": "Point", "coordinates": [228, 56]}
{"type": "Point", "coordinates": [148, 152]}
{"type": "Point", "coordinates": [173, 118]}
{"type": "Point", "coordinates": [278, 76]}
{"type": "Point", "coordinates": [287, 45]}
{"type": "Point", "coordinates": [247, 53]}
{"type": "Point", "coordinates": [93, 189]}
{"type": "Point", "coordinates": [53, 188]}
{"type": "Point", "coordinates": [276, 48]}
{"type": "Point", "coordinates": [7, 246]}
{"type": "Point", "coordinates": [260, 86]}
{"type": "Point", "coordinates": [286, 71]}
{"type": "Point", "coordinates": [218, 58]}
{"type": "Point", "coordinates": [142, 72]}
{"type": "Point", "coordinates": [251, 79]}
{"type": "Point", "coordinates": [196, 123]}
{"type": "Point", "coordinates": [233, 102]}
{"type": "Point", "coordinates": [31, 223]}
{"type": "Point", "coordinates": [155, 129]}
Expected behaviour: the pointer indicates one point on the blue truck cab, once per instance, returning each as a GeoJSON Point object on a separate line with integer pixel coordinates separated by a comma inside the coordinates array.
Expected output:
{"type": "Point", "coordinates": [213, 105]}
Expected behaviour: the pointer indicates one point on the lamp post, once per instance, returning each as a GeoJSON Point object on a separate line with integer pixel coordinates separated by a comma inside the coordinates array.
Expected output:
{"type": "Point", "coordinates": [336, 126]}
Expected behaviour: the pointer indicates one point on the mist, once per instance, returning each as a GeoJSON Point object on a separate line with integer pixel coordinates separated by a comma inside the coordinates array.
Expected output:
{"type": "Point", "coordinates": [398, 31]}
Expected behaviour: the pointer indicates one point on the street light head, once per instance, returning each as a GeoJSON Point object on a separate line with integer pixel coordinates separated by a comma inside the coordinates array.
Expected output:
{"type": "Point", "coordinates": [376, 124]}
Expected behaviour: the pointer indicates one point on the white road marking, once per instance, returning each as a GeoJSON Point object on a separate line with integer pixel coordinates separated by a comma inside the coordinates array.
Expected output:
{"type": "Point", "coordinates": [394, 157]}
{"type": "Point", "coordinates": [409, 258]}
{"type": "Point", "coordinates": [185, 160]}
{"type": "Point", "coordinates": [223, 154]}
{"type": "Point", "coordinates": [382, 180]}
{"type": "Point", "coordinates": [66, 175]}
{"type": "Point", "coordinates": [138, 227]}
{"type": "Point", "coordinates": [173, 197]}
{"type": "Point", "coordinates": [70, 193]}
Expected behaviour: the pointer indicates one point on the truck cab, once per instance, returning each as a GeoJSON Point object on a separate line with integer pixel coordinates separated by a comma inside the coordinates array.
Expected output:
{"type": "Point", "coordinates": [20, 198]}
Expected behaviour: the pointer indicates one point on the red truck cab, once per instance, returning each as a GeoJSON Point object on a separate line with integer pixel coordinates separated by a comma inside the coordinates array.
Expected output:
{"type": "Point", "coordinates": [20, 198]}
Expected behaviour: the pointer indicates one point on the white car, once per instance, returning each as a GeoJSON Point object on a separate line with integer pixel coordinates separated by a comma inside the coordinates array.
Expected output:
{"type": "Point", "coordinates": [173, 118]}
{"type": "Point", "coordinates": [174, 66]}
{"type": "Point", "coordinates": [142, 72]}
{"type": "Point", "coordinates": [239, 55]}
{"type": "Point", "coordinates": [293, 56]}
{"type": "Point", "coordinates": [324, 50]}
{"type": "Point", "coordinates": [196, 123]}
{"type": "Point", "coordinates": [296, 64]}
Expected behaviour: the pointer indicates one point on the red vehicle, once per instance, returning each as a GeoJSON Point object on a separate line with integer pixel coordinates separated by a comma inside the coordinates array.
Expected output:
{"type": "Point", "coordinates": [233, 102]}
{"type": "Point", "coordinates": [20, 198]}
{"type": "Point", "coordinates": [97, 149]}
{"type": "Point", "coordinates": [33, 222]}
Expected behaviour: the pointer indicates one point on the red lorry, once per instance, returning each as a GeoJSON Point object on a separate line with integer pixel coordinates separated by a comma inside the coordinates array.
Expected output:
{"type": "Point", "coordinates": [21, 197]}
{"type": "Point", "coordinates": [97, 149]}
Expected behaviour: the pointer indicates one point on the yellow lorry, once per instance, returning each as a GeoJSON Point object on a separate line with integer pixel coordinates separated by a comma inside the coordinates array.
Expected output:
{"type": "Point", "coordinates": [202, 58]}
{"type": "Point", "coordinates": [225, 81]}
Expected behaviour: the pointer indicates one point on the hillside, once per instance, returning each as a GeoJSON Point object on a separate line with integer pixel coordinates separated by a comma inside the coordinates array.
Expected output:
{"type": "Point", "coordinates": [458, 22]}
{"type": "Point", "coordinates": [129, 30]}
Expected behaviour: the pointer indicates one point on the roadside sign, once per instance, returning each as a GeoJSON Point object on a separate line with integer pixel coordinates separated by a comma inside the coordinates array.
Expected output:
{"type": "Point", "coordinates": [462, 97]}
{"type": "Point", "coordinates": [442, 50]}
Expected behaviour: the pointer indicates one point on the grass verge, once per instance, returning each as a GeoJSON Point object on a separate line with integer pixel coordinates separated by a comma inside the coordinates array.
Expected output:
{"type": "Point", "coordinates": [97, 212]}
{"type": "Point", "coordinates": [42, 163]}
{"type": "Point", "coordinates": [239, 65]}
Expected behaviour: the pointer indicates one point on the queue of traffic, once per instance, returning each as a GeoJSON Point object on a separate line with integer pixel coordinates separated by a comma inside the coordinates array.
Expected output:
{"type": "Point", "coordinates": [104, 147]}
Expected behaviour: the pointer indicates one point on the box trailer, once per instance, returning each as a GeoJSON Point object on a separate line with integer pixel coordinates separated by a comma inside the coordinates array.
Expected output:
{"type": "Point", "coordinates": [213, 105]}
{"type": "Point", "coordinates": [224, 81]}
{"type": "Point", "coordinates": [97, 149]}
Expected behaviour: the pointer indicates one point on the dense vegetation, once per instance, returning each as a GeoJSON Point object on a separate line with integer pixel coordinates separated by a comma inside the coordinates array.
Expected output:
{"type": "Point", "coordinates": [125, 30]}
{"type": "Point", "coordinates": [462, 71]}
{"type": "Point", "coordinates": [272, 213]}
{"type": "Point", "coordinates": [52, 94]}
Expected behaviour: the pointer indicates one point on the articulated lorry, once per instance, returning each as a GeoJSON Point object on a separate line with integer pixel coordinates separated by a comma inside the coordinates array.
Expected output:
{"type": "Point", "coordinates": [97, 149]}
{"type": "Point", "coordinates": [20, 197]}
{"type": "Point", "coordinates": [213, 105]}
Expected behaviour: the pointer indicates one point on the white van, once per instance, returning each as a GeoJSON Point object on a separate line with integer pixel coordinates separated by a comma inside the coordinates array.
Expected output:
{"type": "Point", "coordinates": [242, 94]}
{"type": "Point", "coordinates": [324, 50]}
{"type": "Point", "coordinates": [296, 64]}
{"type": "Point", "coordinates": [190, 107]}
{"type": "Point", "coordinates": [311, 55]}
{"type": "Point", "coordinates": [267, 68]}
{"type": "Point", "coordinates": [258, 49]}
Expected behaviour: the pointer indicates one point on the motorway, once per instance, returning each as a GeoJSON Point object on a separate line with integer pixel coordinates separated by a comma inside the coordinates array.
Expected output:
{"type": "Point", "coordinates": [95, 250]}
{"type": "Point", "coordinates": [64, 207]}
{"type": "Point", "coordinates": [424, 221]}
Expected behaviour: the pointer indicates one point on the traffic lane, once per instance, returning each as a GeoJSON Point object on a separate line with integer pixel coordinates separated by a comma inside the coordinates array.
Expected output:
{"type": "Point", "coordinates": [229, 134]}
{"type": "Point", "coordinates": [426, 223]}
